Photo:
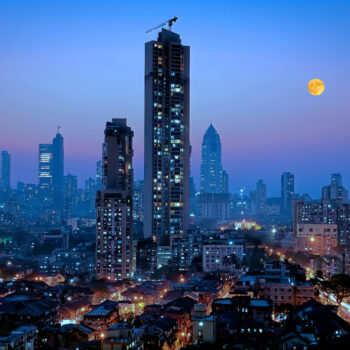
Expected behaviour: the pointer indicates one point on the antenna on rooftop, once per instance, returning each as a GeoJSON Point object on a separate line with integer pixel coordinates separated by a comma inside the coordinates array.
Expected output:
{"type": "Point", "coordinates": [58, 128]}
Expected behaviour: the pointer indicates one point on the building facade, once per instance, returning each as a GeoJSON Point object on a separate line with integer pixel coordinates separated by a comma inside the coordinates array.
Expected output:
{"type": "Point", "coordinates": [318, 239]}
{"type": "Point", "coordinates": [216, 257]}
{"type": "Point", "coordinates": [114, 204]}
{"type": "Point", "coordinates": [306, 212]}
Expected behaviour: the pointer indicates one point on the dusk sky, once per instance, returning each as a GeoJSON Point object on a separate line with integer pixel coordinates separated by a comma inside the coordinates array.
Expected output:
{"type": "Point", "coordinates": [81, 63]}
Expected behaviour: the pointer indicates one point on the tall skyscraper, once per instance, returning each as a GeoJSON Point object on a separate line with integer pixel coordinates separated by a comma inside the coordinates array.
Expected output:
{"type": "Point", "coordinates": [51, 170]}
{"type": "Point", "coordinates": [213, 178]}
{"type": "Point", "coordinates": [5, 170]}
{"type": "Point", "coordinates": [167, 130]}
{"type": "Point", "coordinates": [114, 204]}
{"type": "Point", "coordinates": [287, 193]}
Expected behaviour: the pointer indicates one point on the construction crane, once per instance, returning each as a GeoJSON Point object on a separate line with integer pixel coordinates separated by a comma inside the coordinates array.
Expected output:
{"type": "Point", "coordinates": [169, 22]}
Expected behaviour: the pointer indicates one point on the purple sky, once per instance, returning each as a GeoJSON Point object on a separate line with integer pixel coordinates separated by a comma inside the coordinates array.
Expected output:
{"type": "Point", "coordinates": [80, 63]}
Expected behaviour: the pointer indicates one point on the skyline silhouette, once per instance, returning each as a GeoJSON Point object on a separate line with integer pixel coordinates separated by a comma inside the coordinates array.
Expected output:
{"type": "Point", "coordinates": [79, 65]}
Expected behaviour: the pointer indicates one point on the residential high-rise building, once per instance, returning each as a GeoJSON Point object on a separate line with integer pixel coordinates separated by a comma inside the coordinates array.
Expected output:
{"type": "Point", "coordinates": [213, 178]}
{"type": "Point", "coordinates": [5, 170]}
{"type": "Point", "coordinates": [167, 130]}
{"type": "Point", "coordinates": [307, 212]}
{"type": "Point", "coordinates": [335, 192]}
{"type": "Point", "coordinates": [319, 239]}
{"type": "Point", "coordinates": [287, 193]}
{"type": "Point", "coordinates": [114, 204]}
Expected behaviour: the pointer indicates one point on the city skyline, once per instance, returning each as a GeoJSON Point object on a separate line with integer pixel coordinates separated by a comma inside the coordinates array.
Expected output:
{"type": "Point", "coordinates": [254, 135]}
{"type": "Point", "coordinates": [212, 208]}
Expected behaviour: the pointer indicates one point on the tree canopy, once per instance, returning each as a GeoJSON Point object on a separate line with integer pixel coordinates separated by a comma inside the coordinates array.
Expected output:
{"type": "Point", "coordinates": [338, 285]}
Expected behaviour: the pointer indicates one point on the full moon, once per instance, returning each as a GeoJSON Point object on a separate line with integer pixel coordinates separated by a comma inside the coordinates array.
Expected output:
{"type": "Point", "coordinates": [316, 87]}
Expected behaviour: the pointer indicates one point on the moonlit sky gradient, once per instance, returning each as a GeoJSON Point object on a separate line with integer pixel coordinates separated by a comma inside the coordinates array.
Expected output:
{"type": "Point", "coordinates": [80, 63]}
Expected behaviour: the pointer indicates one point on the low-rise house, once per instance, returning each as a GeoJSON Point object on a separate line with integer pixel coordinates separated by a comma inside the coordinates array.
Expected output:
{"type": "Point", "coordinates": [101, 316]}
{"type": "Point", "coordinates": [23, 338]}
{"type": "Point", "coordinates": [66, 336]}
{"type": "Point", "coordinates": [294, 340]}
{"type": "Point", "coordinates": [122, 336]}
{"type": "Point", "coordinates": [303, 291]}
{"type": "Point", "coordinates": [320, 319]}
{"type": "Point", "coordinates": [203, 326]}
{"type": "Point", "coordinates": [34, 312]}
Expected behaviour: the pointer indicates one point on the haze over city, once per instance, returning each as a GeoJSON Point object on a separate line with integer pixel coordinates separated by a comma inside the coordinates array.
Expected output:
{"type": "Point", "coordinates": [78, 64]}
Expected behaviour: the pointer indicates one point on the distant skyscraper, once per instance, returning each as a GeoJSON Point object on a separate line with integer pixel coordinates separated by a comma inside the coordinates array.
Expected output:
{"type": "Point", "coordinates": [167, 130]}
{"type": "Point", "coordinates": [193, 199]}
{"type": "Point", "coordinates": [336, 180]}
{"type": "Point", "coordinates": [213, 178]}
{"type": "Point", "coordinates": [58, 170]}
{"type": "Point", "coordinates": [138, 201]}
{"type": "Point", "coordinates": [287, 193]}
{"type": "Point", "coordinates": [70, 196]}
{"type": "Point", "coordinates": [137, 212]}
{"type": "Point", "coordinates": [114, 204]}
{"type": "Point", "coordinates": [259, 198]}
{"type": "Point", "coordinates": [335, 192]}
{"type": "Point", "coordinates": [214, 206]}
{"type": "Point", "coordinates": [51, 171]}
{"type": "Point", "coordinates": [99, 174]}
{"type": "Point", "coordinates": [45, 167]}
{"type": "Point", "coordinates": [5, 170]}
{"type": "Point", "coordinates": [90, 195]}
